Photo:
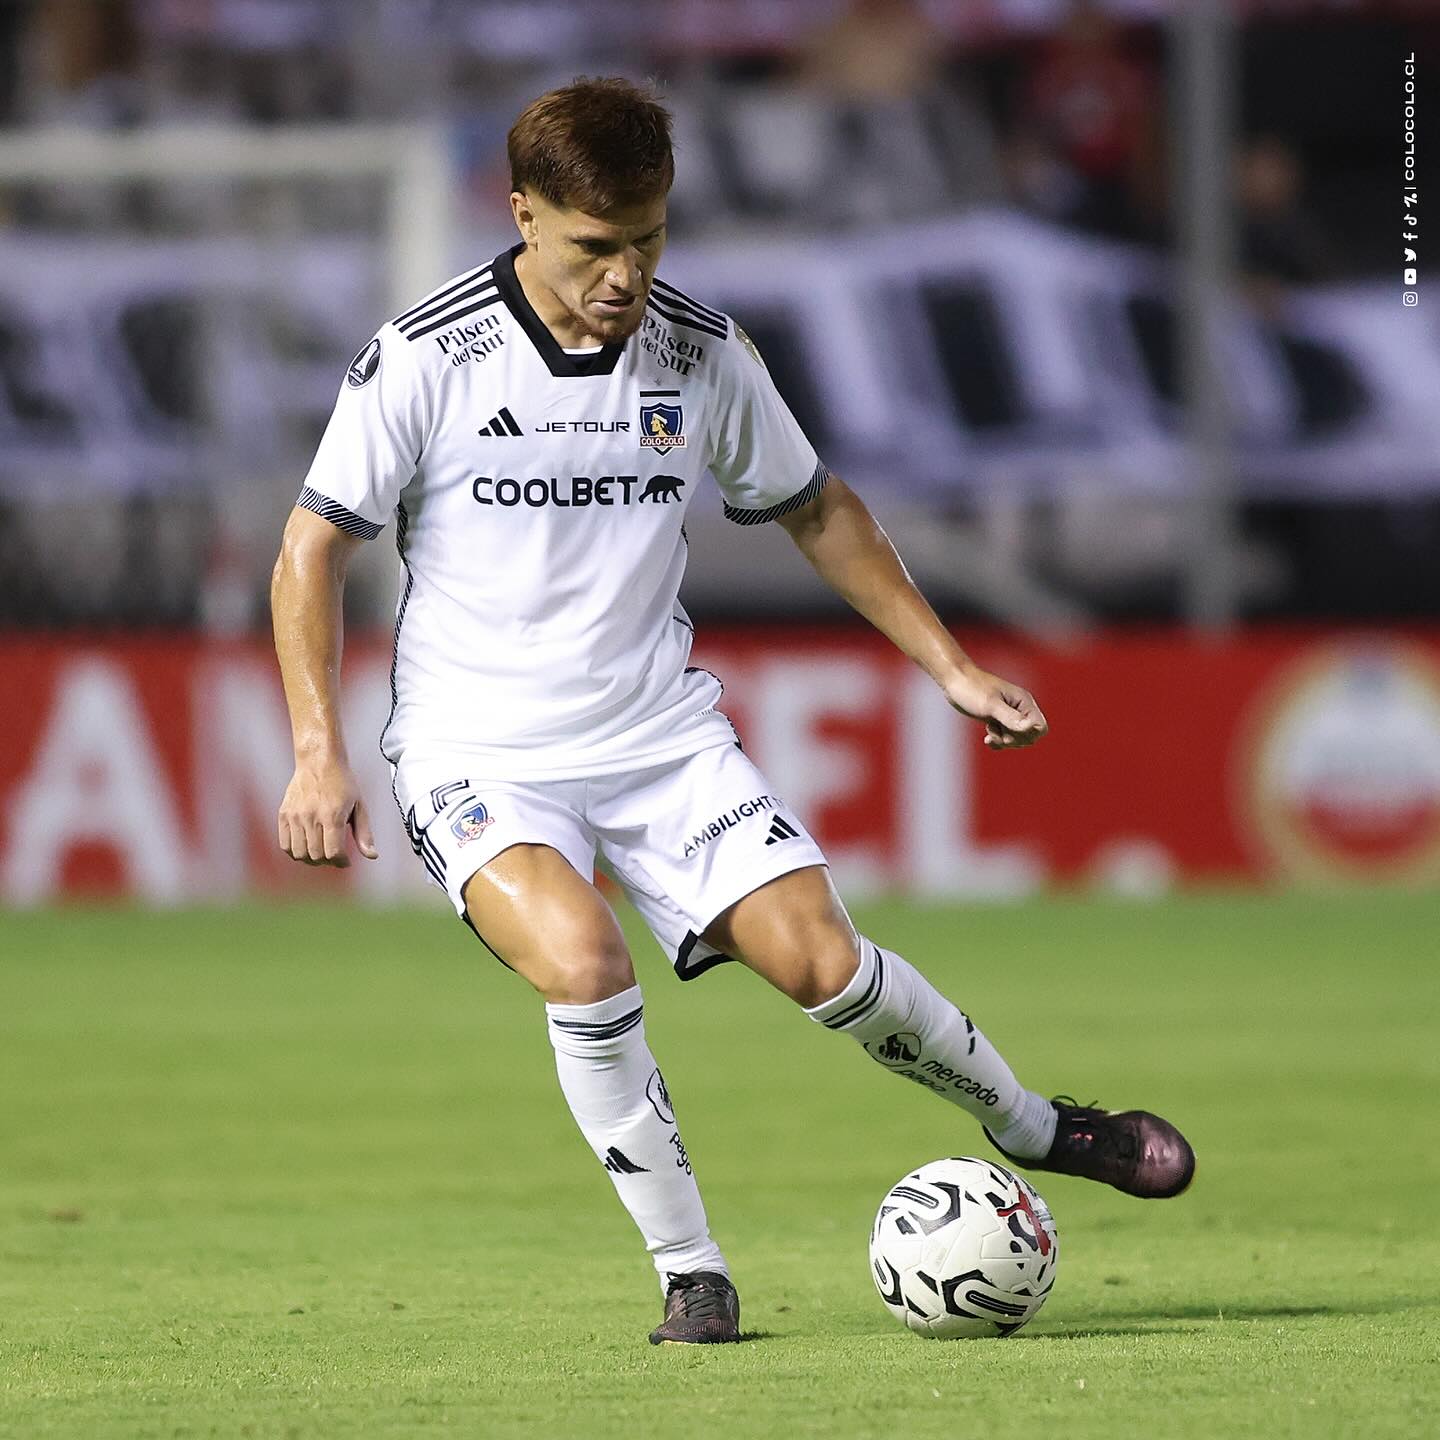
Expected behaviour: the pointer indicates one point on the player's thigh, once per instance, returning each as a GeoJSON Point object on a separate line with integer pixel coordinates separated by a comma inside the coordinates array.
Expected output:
{"type": "Point", "coordinates": [721, 866]}
{"type": "Point", "coordinates": [549, 924]}
{"type": "Point", "coordinates": [794, 931]}
{"type": "Point", "coordinates": [516, 859]}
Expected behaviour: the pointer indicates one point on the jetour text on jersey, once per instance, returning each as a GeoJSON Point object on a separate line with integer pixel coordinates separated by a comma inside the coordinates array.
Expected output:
{"type": "Point", "coordinates": [577, 490]}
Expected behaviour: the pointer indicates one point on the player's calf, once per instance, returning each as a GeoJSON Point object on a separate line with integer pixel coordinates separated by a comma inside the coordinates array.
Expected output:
{"type": "Point", "coordinates": [906, 1025]}
{"type": "Point", "coordinates": [795, 933]}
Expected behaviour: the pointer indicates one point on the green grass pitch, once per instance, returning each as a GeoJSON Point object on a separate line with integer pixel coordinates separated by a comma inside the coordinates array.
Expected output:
{"type": "Point", "coordinates": [305, 1172]}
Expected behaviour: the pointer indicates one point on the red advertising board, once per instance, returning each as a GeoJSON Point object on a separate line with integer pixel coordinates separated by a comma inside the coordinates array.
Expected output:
{"type": "Point", "coordinates": [152, 768]}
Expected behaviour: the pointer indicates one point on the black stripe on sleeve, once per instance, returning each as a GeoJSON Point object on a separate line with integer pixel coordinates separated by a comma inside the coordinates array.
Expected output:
{"type": "Point", "coordinates": [443, 293]}
{"type": "Point", "coordinates": [407, 327]}
{"type": "Point", "coordinates": [337, 514]}
{"type": "Point", "coordinates": [797, 501]}
{"type": "Point", "coordinates": [675, 317]}
{"type": "Point", "coordinates": [491, 299]}
{"type": "Point", "coordinates": [681, 301]}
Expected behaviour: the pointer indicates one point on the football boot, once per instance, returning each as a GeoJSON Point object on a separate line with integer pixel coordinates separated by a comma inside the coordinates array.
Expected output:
{"type": "Point", "coordinates": [1133, 1150]}
{"type": "Point", "coordinates": [700, 1309]}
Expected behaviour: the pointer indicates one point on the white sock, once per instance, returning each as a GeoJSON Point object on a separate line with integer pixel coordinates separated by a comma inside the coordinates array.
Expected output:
{"type": "Point", "coordinates": [909, 1027]}
{"type": "Point", "coordinates": [620, 1103]}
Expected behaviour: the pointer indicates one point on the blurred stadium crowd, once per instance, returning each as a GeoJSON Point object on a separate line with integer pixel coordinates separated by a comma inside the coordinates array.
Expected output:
{"type": "Point", "coordinates": [997, 173]}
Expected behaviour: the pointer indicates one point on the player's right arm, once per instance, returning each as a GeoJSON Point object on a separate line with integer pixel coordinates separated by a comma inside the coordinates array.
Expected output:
{"type": "Point", "coordinates": [307, 592]}
{"type": "Point", "coordinates": [368, 453]}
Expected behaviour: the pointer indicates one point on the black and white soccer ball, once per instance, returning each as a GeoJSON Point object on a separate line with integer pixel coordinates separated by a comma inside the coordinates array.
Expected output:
{"type": "Point", "coordinates": [963, 1248]}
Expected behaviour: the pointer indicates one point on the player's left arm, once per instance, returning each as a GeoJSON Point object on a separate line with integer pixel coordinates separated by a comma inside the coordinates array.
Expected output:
{"type": "Point", "coordinates": [839, 536]}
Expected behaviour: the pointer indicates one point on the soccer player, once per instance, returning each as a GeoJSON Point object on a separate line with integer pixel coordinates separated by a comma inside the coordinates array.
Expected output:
{"type": "Point", "coordinates": [538, 427]}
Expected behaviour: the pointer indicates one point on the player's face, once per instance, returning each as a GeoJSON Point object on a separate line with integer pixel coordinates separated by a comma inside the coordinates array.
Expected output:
{"type": "Point", "coordinates": [597, 269]}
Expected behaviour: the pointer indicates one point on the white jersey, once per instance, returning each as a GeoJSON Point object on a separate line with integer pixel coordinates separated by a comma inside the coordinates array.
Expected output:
{"type": "Point", "coordinates": [540, 499]}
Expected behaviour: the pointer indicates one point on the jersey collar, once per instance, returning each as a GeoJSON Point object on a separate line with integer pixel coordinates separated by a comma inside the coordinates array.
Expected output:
{"type": "Point", "coordinates": [604, 360]}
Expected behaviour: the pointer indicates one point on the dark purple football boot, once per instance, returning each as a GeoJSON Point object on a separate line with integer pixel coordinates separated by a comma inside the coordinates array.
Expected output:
{"type": "Point", "coordinates": [1133, 1150]}
{"type": "Point", "coordinates": [700, 1309]}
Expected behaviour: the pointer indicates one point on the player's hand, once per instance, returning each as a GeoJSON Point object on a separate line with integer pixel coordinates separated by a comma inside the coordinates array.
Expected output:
{"type": "Point", "coordinates": [322, 803]}
{"type": "Point", "coordinates": [1009, 712]}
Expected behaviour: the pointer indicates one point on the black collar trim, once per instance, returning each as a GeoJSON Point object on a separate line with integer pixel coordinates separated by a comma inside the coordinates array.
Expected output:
{"type": "Point", "coordinates": [602, 362]}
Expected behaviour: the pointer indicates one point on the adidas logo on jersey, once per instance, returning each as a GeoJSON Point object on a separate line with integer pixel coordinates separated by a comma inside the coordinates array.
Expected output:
{"type": "Point", "coordinates": [781, 829]}
{"type": "Point", "coordinates": [502, 424]}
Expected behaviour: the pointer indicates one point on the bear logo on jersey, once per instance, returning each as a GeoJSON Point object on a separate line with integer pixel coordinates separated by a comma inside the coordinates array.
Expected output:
{"type": "Point", "coordinates": [365, 366]}
{"type": "Point", "coordinates": [661, 427]}
{"type": "Point", "coordinates": [662, 489]}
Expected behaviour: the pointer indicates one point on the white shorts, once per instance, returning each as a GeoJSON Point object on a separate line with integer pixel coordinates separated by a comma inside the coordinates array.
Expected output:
{"type": "Point", "coordinates": [684, 839]}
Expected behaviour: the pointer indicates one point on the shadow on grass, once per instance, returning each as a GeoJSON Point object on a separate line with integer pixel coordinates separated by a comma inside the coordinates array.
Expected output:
{"type": "Point", "coordinates": [1137, 1322]}
{"type": "Point", "coordinates": [745, 1335]}
{"type": "Point", "coordinates": [1162, 1320]}
{"type": "Point", "coordinates": [1102, 1332]}
{"type": "Point", "coordinates": [1252, 1311]}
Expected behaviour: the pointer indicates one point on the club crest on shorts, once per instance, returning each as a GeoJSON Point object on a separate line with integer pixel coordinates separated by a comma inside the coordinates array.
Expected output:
{"type": "Point", "coordinates": [661, 427]}
{"type": "Point", "coordinates": [471, 824]}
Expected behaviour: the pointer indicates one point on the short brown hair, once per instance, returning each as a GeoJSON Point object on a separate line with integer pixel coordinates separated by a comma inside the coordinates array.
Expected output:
{"type": "Point", "coordinates": [594, 145]}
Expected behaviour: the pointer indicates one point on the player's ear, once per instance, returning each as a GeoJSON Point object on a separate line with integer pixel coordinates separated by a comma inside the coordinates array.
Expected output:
{"type": "Point", "coordinates": [524, 213]}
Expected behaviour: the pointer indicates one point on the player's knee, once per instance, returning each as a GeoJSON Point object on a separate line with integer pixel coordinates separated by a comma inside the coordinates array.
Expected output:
{"type": "Point", "coordinates": [822, 962]}
{"type": "Point", "coordinates": [586, 972]}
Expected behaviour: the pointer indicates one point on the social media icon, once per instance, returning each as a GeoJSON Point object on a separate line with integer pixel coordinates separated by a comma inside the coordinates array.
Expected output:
{"type": "Point", "coordinates": [1412, 277]}
{"type": "Point", "coordinates": [1410, 297]}
{"type": "Point", "coordinates": [1409, 257]}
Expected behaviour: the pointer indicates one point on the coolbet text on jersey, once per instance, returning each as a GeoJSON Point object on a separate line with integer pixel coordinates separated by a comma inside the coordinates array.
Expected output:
{"type": "Point", "coordinates": [540, 498]}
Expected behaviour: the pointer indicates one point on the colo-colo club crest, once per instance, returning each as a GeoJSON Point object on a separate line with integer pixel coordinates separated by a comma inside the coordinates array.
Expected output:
{"type": "Point", "coordinates": [662, 427]}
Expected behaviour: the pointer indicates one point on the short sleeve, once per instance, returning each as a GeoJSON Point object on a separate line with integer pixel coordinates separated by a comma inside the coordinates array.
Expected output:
{"type": "Point", "coordinates": [372, 444]}
{"type": "Point", "coordinates": [763, 464]}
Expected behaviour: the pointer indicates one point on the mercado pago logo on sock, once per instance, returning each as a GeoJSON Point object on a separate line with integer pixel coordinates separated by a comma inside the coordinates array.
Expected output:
{"type": "Point", "coordinates": [659, 1098]}
{"type": "Point", "coordinates": [901, 1048]}
{"type": "Point", "coordinates": [959, 1080]}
